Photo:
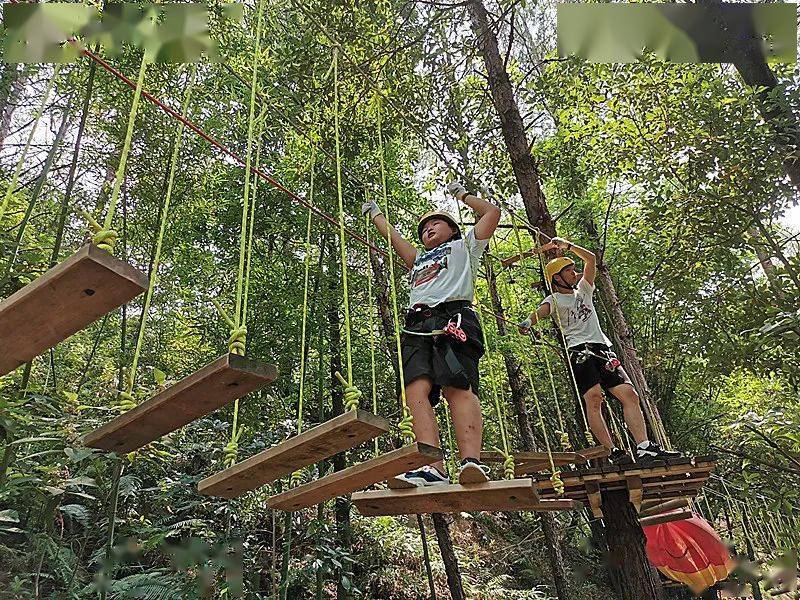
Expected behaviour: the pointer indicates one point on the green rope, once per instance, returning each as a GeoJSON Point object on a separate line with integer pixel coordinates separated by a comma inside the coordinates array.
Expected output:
{"type": "Point", "coordinates": [352, 395]}
{"type": "Point", "coordinates": [406, 424]}
{"type": "Point", "coordinates": [555, 478]}
{"type": "Point", "coordinates": [371, 325]}
{"type": "Point", "coordinates": [12, 186]}
{"type": "Point", "coordinates": [237, 342]}
{"type": "Point", "coordinates": [104, 236]}
{"type": "Point", "coordinates": [299, 475]}
{"type": "Point", "coordinates": [127, 400]}
{"type": "Point", "coordinates": [252, 219]}
{"type": "Point", "coordinates": [508, 458]}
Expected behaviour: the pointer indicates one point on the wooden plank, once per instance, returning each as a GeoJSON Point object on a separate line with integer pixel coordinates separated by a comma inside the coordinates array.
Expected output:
{"type": "Point", "coordinates": [595, 499]}
{"type": "Point", "coordinates": [681, 515]}
{"type": "Point", "coordinates": [67, 298]}
{"type": "Point", "coordinates": [635, 490]}
{"type": "Point", "coordinates": [506, 495]}
{"type": "Point", "coordinates": [559, 458]}
{"type": "Point", "coordinates": [215, 385]}
{"type": "Point", "coordinates": [662, 507]}
{"type": "Point", "coordinates": [313, 445]}
{"type": "Point", "coordinates": [356, 477]}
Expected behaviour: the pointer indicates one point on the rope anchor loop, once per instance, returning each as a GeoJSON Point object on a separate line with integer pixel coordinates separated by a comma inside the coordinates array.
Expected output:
{"type": "Point", "coordinates": [352, 395]}
{"type": "Point", "coordinates": [406, 426]}
{"type": "Point", "coordinates": [558, 484]}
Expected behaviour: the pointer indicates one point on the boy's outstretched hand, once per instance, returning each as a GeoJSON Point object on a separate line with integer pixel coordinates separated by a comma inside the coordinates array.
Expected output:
{"type": "Point", "coordinates": [457, 189]}
{"type": "Point", "coordinates": [371, 208]}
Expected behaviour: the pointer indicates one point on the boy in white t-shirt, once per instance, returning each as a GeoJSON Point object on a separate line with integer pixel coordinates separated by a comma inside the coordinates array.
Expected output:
{"type": "Point", "coordinates": [442, 290]}
{"type": "Point", "coordinates": [595, 366]}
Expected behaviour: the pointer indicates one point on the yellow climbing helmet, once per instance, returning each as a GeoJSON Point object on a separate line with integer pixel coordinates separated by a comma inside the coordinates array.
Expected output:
{"type": "Point", "coordinates": [438, 214]}
{"type": "Point", "coordinates": [555, 266]}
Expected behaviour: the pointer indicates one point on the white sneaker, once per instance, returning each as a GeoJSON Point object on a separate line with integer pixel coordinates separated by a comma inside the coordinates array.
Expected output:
{"type": "Point", "coordinates": [473, 471]}
{"type": "Point", "coordinates": [424, 476]}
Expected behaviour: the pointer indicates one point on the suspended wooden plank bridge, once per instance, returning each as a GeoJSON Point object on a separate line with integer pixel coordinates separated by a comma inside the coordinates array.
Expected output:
{"type": "Point", "coordinates": [67, 298]}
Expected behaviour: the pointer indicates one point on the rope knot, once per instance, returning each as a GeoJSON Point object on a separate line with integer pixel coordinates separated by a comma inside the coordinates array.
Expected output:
{"type": "Point", "coordinates": [297, 478]}
{"type": "Point", "coordinates": [406, 426]}
{"type": "Point", "coordinates": [558, 485]}
{"type": "Point", "coordinates": [231, 449]}
{"type": "Point", "coordinates": [564, 438]}
{"type": "Point", "coordinates": [237, 339]}
{"type": "Point", "coordinates": [352, 394]}
{"type": "Point", "coordinates": [105, 239]}
{"type": "Point", "coordinates": [126, 401]}
{"type": "Point", "coordinates": [508, 465]}
{"type": "Point", "coordinates": [589, 435]}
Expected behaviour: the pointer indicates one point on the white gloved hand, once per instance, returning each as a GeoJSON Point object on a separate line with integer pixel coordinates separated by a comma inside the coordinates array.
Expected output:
{"type": "Point", "coordinates": [525, 326]}
{"type": "Point", "coordinates": [561, 243]}
{"type": "Point", "coordinates": [455, 188]}
{"type": "Point", "coordinates": [371, 208]}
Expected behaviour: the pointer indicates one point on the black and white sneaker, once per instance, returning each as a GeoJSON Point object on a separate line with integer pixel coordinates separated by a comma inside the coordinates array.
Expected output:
{"type": "Point", "coordinates": [619, 457]}
{"type": "Point", "coordinates": [424, 476]}
{"type": "Point", "coordinates": [473, 471]}
{"type": "Point", "coordinates": [653, 452]}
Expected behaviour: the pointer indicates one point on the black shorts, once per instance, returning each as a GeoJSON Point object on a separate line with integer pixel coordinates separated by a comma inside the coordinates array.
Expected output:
{"type": "Point", "coordinates": [592, 370]}
{"type": "Point", "coordinates": [427, 356]}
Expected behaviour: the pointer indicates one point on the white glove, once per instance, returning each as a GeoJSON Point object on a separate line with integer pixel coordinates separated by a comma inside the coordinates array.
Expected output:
{"type": "Point", "coordinates": [525, 326]}
{"type": "Point", "coordinates": [371, 208]}
{"type": "Point", "coordinates": [561, 243]}
{"type": "Point", "coordinates": [455, 188]}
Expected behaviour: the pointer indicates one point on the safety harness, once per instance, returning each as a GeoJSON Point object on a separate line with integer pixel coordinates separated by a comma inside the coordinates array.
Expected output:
{"type": "Point", "coordinates": [422, 322]}
{"type": "Point", "coordinates": [582, 353]}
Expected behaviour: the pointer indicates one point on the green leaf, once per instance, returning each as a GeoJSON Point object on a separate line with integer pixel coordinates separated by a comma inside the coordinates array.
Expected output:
{"type": "Point", "coordinates": [159, 376]}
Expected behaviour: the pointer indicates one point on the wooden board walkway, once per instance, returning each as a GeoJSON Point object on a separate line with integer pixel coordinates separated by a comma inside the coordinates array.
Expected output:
{"type": "Point", "coordinates": [215, 385]}
{"type": "Point", "coordinates": [67, 298]}
{"type": "Point", "coordinates": [356, 477]}
{"type": "Point", "coordinates": [662, 481]}
{"type": "Point", "coordinates": [313, 445]}
{"type": "Point", "coordinates": [506, 495]}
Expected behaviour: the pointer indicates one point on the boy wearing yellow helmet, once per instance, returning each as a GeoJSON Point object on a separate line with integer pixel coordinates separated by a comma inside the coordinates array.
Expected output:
{"type": "Point", "coordinates": [595, 366]}
{"type": "Point", "coordinates": [442, 339]}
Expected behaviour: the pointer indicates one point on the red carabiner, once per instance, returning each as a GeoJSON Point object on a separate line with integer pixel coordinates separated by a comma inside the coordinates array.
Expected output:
{"type": "Point", "coordinates": [453, 330]}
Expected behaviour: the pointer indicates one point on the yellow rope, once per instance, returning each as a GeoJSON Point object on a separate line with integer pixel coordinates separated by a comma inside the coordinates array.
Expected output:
{"type": "Point", "coordinates": [406, 424]}
{"type": "Point", "coordinates": [126, 399]}
{"type": "Point", "coordinates": [371, 325]}
{"type": "Point", "coordinates": [352, 395]}
{"type": "Point", "coordinates": [104, 236]}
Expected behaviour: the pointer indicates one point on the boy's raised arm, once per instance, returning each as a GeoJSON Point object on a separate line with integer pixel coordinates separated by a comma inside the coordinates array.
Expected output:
{"type": "Point", "coordinates": [404, 249]}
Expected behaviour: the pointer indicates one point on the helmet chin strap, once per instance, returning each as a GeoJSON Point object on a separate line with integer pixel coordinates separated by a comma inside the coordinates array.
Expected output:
{"type": "Point", "coordinates": [563, 283]}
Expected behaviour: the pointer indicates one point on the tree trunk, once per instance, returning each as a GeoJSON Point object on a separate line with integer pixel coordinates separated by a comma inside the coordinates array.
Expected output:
{"type": "Point", "coordinates": [525, 169]}
{"type": "Point", "coordinates": [449, 557]}
{"type": "Point", "coordinates": [635, 577]}
{"type": "Point", "coordinates": [765, 260]}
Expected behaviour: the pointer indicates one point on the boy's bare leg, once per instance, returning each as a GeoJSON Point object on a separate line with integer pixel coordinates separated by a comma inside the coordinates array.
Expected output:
{"type": "Point", "coordinates": [426, 429]}
{"type": "Point", "coordinates": [467, 421]}
{"type": "Point", "coordinates": [632, 410]}
{"type": "Point", "coordinates": [594, 415]}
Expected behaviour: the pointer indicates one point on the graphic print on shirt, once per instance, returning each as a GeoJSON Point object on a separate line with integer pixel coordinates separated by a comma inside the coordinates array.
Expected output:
{"type": "Point", "coordinates": [429, 265]}
{"type": "Point", "coordinates": [580, 311]}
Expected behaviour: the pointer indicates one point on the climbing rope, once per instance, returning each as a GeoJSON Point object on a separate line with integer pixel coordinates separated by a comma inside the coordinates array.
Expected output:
{"type": "Point", "coordinates": [126, 400]}
{"type": "Point", "coordinates": [371, 333]}
{"type": "Point", "coordinates": [406, 424]}
{"type": "Point", "coordinates": [104, 236]}
{"type": "Point", "coordinates": [237, 340]}
{"type": "Point", "coordinates": [12, 185]}
{"type": "Point", "coordinates": [352, 395]}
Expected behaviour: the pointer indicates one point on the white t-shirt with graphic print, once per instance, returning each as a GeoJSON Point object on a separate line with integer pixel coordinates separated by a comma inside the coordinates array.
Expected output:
{"type": "Point", "coordinates": [576, 316]}
{"type": "Point", "coordinates": [447, 272]}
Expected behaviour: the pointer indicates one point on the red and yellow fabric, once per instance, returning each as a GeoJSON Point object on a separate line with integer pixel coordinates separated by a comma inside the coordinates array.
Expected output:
{"type": "Point", "coordinates": [689, 551]}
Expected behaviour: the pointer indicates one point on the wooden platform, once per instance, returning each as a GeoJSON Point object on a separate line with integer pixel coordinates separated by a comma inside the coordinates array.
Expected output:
{"type": "Point", "coordinates": [526, 463]}
{"type": "Point", "coordinates": [215, 385]}
{"type": "Point", "coordinates": [356, 477]}
{"type": "Point", "coordinates": [313, 445]}
{"type": "Point", "coordinates": [668, 517]}
{"type": "Point", "coordinates": [506, 495]}
{"type": "Point", "coordinates": [676, 478]}
{"type": "Point", "coordinates": [64, 300]}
